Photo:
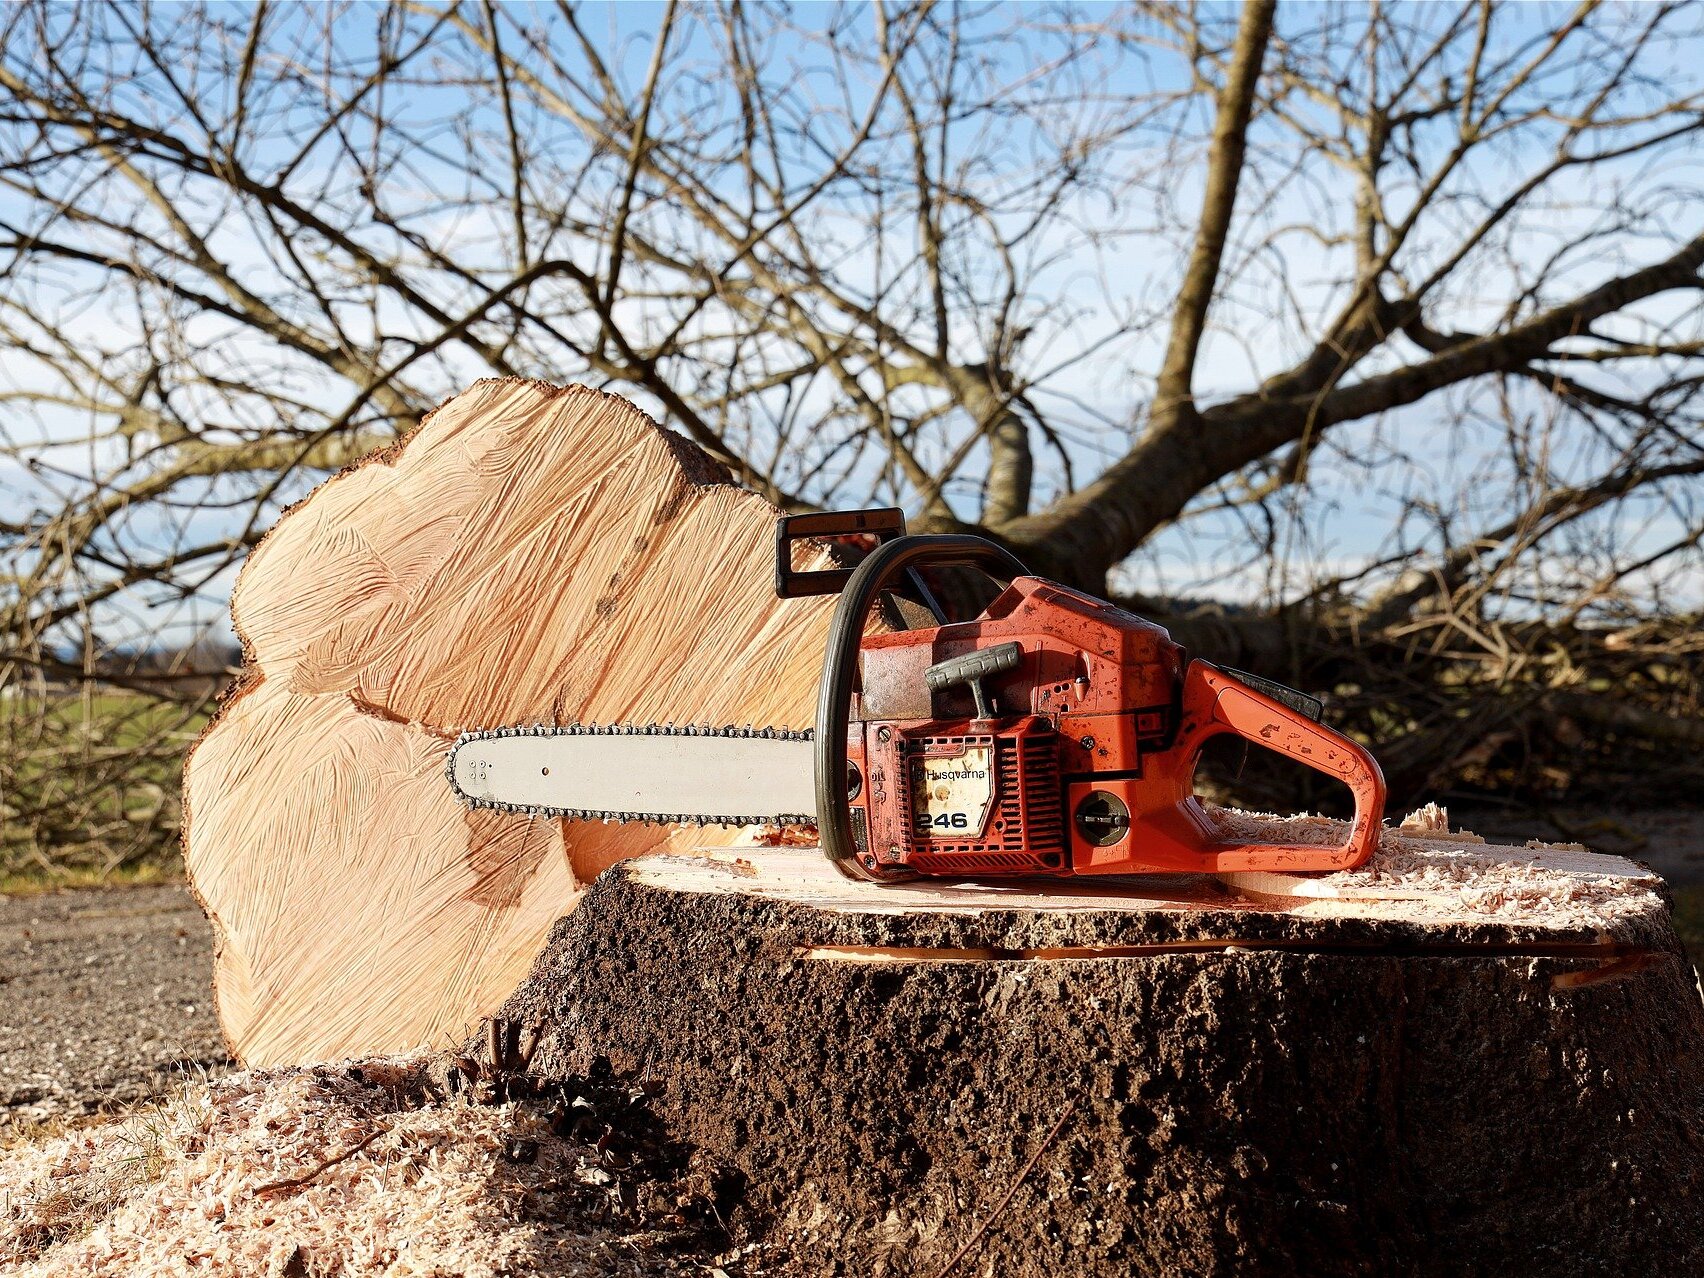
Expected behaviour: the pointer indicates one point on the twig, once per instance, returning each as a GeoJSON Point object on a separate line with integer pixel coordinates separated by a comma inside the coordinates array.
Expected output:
{"type": "Point", "coordinates": [296, 1181]}
{"type": "Point", "coordinates": [980, 1230]}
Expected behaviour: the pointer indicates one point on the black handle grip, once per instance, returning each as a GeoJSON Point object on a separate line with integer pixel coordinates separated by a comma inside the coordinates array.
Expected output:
{"type": "Point", "coordinates": [840, 666]}
{"type": "Point", "coordinates": [973, 668]}
{"type": "Point", "coordinates": [885, 524]}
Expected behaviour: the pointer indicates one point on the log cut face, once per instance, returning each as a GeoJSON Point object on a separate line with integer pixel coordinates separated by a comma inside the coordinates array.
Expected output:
{"type": "Point", "coordinates": [1197, 1081]}
{"type": "Point", "coordinates": [531, 554]}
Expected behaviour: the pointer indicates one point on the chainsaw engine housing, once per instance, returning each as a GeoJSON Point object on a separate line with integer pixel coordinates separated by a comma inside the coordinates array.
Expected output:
{"type": "Point", "coordinates": [1041, 784]}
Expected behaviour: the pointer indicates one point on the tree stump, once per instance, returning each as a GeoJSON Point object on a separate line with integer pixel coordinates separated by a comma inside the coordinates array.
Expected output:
{"type": "Point", "coordinates": [1458, 1060]}
{"type": "Point", "coordinates": [530, 554]}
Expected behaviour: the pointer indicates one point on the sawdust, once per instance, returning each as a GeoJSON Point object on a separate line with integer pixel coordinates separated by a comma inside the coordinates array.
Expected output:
{"type": "Point", "coordinates": [776, 836]}
{"type": "Point", "coordinates": [354, 1169]}
{"type": "Point", "coordinates": [1422, 869]}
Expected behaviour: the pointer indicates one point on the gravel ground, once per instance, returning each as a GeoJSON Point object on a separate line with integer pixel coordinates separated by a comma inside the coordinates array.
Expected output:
{"type": "Point", "coordinates": [105, 995]}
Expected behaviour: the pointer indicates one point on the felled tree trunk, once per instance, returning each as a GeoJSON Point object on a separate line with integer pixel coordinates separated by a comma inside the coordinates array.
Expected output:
{"type": "Point", "coordinates": [530, 554]}
{"type": "Point", "coordinates": [1462, 1060]}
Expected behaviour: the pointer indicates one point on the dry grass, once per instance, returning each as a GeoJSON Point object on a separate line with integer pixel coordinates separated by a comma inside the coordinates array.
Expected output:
{"type": "Point", "coordinates": [163, 867]}
{"type": "Point", "coordinates": [59, 1180]}
{"type": "Point", "coordinates": [89, 783]}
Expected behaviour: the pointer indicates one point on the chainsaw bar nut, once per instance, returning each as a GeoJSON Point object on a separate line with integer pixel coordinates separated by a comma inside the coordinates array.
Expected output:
{"type": "Point", "coordinates": [1102, 818]}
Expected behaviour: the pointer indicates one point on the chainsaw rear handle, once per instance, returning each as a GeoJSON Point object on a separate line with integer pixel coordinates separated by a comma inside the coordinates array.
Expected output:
{"type": "Point", "coordinates": [840, 668]}
{"type": "Point", "coordinates": [1216, 703]}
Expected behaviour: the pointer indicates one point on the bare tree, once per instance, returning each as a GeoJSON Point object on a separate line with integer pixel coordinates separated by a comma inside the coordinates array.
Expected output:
{"type": "Point", "coordinates": [1154, 293]}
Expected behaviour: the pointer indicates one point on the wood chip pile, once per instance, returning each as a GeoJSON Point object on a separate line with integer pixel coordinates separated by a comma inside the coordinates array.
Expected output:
{"type": "Point", "coordinates": [1422, 869]}
{"type": "Point", "coordinates": [357, 1169]}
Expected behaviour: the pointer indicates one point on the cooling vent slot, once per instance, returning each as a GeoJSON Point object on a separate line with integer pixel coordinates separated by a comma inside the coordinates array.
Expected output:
{"type": "Point", "coordinates": [961, 863]}
{"type": "Point", "coordinates": [1028, 821]}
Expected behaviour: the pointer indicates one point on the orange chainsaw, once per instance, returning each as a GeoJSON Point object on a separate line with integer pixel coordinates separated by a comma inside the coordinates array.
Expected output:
{"type": "Point", "coordinates": [1054, 734]}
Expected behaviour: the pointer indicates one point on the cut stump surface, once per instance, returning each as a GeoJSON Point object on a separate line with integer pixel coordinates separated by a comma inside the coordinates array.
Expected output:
{"type": "Point", "coordinates": [1460, 1059]}
{"type": "Point", "coordinates": [530, 554]}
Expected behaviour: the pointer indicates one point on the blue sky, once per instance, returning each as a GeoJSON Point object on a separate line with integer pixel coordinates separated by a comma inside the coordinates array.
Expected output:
{"type": "Point", "coordinates": [1345, 512]}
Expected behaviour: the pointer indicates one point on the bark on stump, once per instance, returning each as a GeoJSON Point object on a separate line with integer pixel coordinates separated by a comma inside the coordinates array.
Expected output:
{"type": "Point", "coordinates": [1464, 1060]}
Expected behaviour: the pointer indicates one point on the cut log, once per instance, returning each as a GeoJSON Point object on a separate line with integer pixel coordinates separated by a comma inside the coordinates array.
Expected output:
{"type": "Point", "coordinates": [530, 554]}
{"type": "Point", "coordinates": [1460, 1059]}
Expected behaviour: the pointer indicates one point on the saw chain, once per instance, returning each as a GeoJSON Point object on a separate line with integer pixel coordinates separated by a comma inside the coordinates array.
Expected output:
{"type": "Point", "coordinates": [726, 732]}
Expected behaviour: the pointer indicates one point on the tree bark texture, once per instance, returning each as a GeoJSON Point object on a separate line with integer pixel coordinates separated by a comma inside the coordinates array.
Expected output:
{"type": "Point", "coordinates": [1377, 1075]}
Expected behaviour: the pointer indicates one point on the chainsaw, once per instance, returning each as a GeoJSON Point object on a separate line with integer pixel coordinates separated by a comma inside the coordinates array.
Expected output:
{"type": "Point", "coordinates": [1054, 734]}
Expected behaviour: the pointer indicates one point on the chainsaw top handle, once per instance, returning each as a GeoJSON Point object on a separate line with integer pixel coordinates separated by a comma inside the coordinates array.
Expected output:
{"type": "Point", "coordinates": [840, 665]}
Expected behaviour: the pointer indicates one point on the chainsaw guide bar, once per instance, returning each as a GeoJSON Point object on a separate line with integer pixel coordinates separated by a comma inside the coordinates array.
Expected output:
{"type": "Point", "coordinates": [641, 762]}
